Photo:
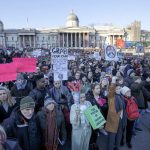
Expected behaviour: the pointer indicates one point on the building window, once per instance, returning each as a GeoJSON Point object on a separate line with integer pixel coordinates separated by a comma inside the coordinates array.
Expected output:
{"type": "Point", "coordinates": [12, 38]}
{"type": "Point", "coordinates": [6, 38]}
{"type": "Point", "coordinates": [43, 38]}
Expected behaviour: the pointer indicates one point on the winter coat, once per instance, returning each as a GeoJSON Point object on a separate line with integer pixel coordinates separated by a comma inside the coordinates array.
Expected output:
{"type": "Point", "coordinates": [147, 90]}
{"type": "Point", "coordinates": [41, 117]}
{"type": "Point", "coordinates": [11, 144]}
{"type": "Point", "coordinates": [5, 114]}
{"type": "Point", "coordinates": [147, 85]}
{"type": "Point", "coordinates": [38, 96]}
{"type": "Point", "coordinates": [127, 67]}
{"type": "Point", "coordinates": [113, 117]}
{"type": "Point", "coordinates": [137, 92]}
{"type": "Point", "coordinates": [26, 131]}
{"type": "Point", "coordinates": [58, 94]}
{"type": "Point", "coordinates": [103, 109]}
{"type": "Point", "coordinates": [128, 81]}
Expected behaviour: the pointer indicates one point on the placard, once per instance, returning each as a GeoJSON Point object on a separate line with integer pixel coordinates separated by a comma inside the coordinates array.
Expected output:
{"type": "Point", "coordinates": [110, 53]}
{"type": "Point", "coordinates": [59, 60]}
{"type": "Point", "coordinates": [25, 64]}
{"type": "Point", "coordinates": [95, 117]}
{"type": "Point", "coordinates": [8, 72]}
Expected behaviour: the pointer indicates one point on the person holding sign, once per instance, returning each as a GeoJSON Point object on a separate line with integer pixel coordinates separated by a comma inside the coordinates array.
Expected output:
{"type": "Point", "coordinates": [81, 129]}
{"type": "Point", "coordinates": [116, 118]}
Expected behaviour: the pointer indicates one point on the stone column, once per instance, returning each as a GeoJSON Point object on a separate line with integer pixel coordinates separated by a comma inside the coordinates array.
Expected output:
{"type": "Point", "coordinates": [71, 39]}
{"type": "Point", "coordinates": [113, 40]}
{"type": "Point", "coordinates": [23, 41]}
{"type": "Point", "coordinates": [88, 40]}
{"type": "Point", "coordinates": [58, 39]}
{"type": "Point", "coordinates": [19, 41]}
{"type": "Point", "coordinates": [4, 41]}
{"type": "Point", "coordinates": [83, 40]}
{"type": "Point", "coordinates": [79, 39]}
{"type": "Point", "coordinates": [34, 41]}
{"type": "Point", "coordinates": [67, 40]}
{"type": "Point", "coordinates": [111, 37]}
{"type": "Point", "coordinates": [30, 43]}
{"type": "Point", "coordinates": [75, 39]}
{"type": "Point", "coordinates": [63, 40]}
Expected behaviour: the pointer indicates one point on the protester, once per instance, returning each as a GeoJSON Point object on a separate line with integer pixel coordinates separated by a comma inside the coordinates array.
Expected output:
{"type": "Point", "coordinates": [81, 129]}
{"type": "Point", "coordinates": [115, 117]}
{"type": "Point", "coordinates": [22, 124]}
{"type": "Point", "coordinates": [39, 92]}
{"type": "Point", "coordinates": [104, 85]}
{"type": "Point", "coordinates": [61, 94]}
{"type": "Point", "coordinates": [85, 85]}
{"type": "Point", "coordinates": [95, 98]}
{"type": "Point", "coordinates": [7, 103]}
{"type": "Point", "coordinates": [52, 125]}
{"type": "Point", "coordinates": [147, 88]}
{"type": "Point", "coordinates": [21, 88]}
{"type": "Point", "coordinates": [75, 84]}
{"type": "Point", "coordinates": [130, 101]}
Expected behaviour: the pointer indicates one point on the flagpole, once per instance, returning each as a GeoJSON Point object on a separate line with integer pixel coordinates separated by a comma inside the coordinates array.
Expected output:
{"type": "Point", "coordinates": [27, 23]}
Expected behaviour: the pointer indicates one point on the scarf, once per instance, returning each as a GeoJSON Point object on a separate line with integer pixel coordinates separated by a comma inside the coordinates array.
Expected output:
{"type": "Point", "coordinates": [22, 85]}
{"type": "Point", "coordinates": [51, 133]}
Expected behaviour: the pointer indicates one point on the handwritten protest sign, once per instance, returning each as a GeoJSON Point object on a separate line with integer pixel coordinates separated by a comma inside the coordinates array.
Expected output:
{"type": "Point", "coordinates": [95, 117]}
{"type": "Point", "coordinates": [8, 72]}
{"type": "Point", "coordinates": [59, 59]}
{"type": "Point", "coordinates": [25, 64]}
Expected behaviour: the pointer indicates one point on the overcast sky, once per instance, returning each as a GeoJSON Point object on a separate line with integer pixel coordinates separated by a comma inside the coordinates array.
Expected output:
{"type": "Point", "coordinates": [53, 13]}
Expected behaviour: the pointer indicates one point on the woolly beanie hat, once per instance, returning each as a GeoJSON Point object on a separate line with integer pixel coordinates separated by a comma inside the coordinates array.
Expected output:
{"type": "Point", "coordinates": [124, 90]}
{"type": "Point", "coordinates": [49, 100]}
{"type": "Point", "coordinates": [27, 102]}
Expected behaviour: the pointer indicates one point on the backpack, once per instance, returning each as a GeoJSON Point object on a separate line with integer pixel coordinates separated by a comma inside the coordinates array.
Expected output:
{"type": "Point", "coordinates": [132, 109]}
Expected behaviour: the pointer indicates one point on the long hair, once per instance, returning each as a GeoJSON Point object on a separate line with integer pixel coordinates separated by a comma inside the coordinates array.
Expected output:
{"type": "Point", "coordinates": [10, 101]}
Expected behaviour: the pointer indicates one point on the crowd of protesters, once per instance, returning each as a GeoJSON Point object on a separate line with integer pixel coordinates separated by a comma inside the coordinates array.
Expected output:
{"type": "Point", "coordinates": [38, 113]}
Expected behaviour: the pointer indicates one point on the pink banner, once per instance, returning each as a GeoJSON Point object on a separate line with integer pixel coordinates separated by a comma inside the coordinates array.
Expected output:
{"type": "Point", "coordinates": [25, 64]}
{"type": "Point", "coordinates": [8, 72]}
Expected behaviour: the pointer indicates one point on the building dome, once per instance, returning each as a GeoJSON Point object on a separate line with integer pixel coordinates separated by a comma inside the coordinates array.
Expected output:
{"type": "Point", "coordinates": [1, 26]}
{"type": "Point", "coordinates": [72, 20]}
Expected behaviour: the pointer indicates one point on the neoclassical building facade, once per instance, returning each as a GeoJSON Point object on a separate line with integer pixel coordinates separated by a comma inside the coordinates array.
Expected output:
{"type": "Point", "coordinates": [72, 35]}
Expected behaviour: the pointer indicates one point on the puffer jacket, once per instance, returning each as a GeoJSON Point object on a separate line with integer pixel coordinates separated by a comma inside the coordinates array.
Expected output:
{"type": "Point", "coordinates": [26, 131]}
